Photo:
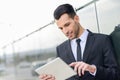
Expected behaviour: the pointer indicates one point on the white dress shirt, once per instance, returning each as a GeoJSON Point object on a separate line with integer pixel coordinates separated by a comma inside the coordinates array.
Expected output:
{"type": "Point", "coordinates": [83, 38]}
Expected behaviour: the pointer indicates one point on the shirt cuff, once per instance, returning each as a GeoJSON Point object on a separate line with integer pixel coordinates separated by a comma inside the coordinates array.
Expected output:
{"type": "Point", "coordinates": [94, 72]}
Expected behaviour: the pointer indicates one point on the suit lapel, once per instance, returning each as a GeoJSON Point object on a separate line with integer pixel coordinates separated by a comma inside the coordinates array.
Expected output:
{"type": "Point", "coordinates": [88, 46]}
{"type": "Point", "coordinates": [69, 52]}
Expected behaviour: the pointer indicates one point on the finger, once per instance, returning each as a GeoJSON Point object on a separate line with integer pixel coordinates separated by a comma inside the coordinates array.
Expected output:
{"type": "Point", "coordinates": [53, 78]}
{"type": "Point", "coordinates": [76, 67]}
{"type": "Point", "coordinates": [80, 69]}
{"type": "Point", "coordinates": [72, 64]}
{"type": "Point", "coordinates": [83, 70]}
{"type": "Point", "coordinates": [42, 76]}
{"type": "Point", "coordinates": [49, 77]}
{"type": "Point", "coordinates": [46, 77]}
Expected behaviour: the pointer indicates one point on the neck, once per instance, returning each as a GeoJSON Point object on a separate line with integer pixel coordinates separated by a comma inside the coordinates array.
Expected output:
{"type": "Point", "coordinates": [81, 30]}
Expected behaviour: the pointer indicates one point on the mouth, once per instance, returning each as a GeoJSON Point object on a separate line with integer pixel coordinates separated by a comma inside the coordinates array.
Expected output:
{"type": "Point", "coordinates": [69, 35]}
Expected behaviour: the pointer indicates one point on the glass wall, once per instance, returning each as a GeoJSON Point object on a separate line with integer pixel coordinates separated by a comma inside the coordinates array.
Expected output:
{"type": "Point", "coordinates": [104, 15]}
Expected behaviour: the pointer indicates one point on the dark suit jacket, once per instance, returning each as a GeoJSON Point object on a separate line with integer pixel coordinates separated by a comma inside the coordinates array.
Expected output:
{"type": "Point", "coordinates": [98, 51]}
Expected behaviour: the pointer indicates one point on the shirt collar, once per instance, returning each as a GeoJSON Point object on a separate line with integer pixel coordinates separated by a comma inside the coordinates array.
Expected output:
{"type": "Point", "coordinates": [83, 37]}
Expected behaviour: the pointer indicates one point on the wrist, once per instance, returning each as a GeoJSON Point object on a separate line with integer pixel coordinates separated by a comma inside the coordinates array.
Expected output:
{"type": "Point", "coordinates": [92, 69]}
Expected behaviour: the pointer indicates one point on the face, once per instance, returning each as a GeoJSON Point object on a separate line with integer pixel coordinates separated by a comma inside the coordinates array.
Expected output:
{"type": "Point", "coordinates": [70, 27]}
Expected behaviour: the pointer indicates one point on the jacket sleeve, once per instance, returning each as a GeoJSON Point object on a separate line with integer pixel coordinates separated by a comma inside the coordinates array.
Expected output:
{"type": "Point", "coordinates": [108, 71]}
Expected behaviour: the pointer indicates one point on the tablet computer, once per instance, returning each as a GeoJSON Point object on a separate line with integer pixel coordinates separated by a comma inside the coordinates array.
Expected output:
{"type": "Point", "coordinates": [58, 68]}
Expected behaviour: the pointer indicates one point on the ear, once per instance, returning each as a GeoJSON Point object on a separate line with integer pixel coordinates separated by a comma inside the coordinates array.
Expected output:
{"type": "Point", "coordinates": [76, 18]}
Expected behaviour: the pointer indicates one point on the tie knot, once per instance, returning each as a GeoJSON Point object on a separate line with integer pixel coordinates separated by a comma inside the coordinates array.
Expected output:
{"type": "Point", "coordinates": [78, 41]}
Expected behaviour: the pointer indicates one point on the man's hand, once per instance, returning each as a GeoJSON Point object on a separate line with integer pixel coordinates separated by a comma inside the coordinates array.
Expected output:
{"type": "Point", "coordinates": [46, 77]}
{"type": "Point", "coordinates": [81, 67]}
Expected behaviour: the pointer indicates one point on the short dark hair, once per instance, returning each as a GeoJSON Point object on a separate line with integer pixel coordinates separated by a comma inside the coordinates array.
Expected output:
{"type": "Point", "coordinates": [64, 8]}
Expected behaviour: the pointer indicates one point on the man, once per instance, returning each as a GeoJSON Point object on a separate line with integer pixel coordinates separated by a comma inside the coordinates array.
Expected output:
{"type": "Point", "coordinates": [96, 61]}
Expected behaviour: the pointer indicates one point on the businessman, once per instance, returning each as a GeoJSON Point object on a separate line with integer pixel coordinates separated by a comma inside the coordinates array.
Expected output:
{"type": "Point", "coordinates": [91, 55]}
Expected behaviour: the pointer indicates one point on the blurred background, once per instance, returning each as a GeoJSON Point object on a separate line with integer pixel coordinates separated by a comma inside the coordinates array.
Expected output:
{"type": "Point", "coordinates": [28, 35]}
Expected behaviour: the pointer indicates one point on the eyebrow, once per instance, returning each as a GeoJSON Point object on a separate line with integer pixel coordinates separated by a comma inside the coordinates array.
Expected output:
{"type": "Point", "coordinates": [66, 24]}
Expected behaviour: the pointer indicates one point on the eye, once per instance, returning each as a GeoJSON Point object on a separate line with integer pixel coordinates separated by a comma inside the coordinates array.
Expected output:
{"type": "Point", "coordinates": [67, 24]}
{"type": "Point", "coordinates": [60, 28]}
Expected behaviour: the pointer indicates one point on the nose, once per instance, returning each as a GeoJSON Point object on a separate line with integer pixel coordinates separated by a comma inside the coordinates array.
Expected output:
{"type": "Point", "coordinates": [65, 31]}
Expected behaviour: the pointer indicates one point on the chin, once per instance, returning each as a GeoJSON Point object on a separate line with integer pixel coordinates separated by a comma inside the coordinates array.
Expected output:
{"type": "Point", "coordinates": [71, 37]}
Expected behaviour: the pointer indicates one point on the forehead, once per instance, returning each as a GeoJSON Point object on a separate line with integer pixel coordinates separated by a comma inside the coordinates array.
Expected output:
{"type": "Point", "coordinates": [63, 20]}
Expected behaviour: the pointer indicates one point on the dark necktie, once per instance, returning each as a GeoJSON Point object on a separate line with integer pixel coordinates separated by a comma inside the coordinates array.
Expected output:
{"type": "Point", "coordinates": [78, 50]}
